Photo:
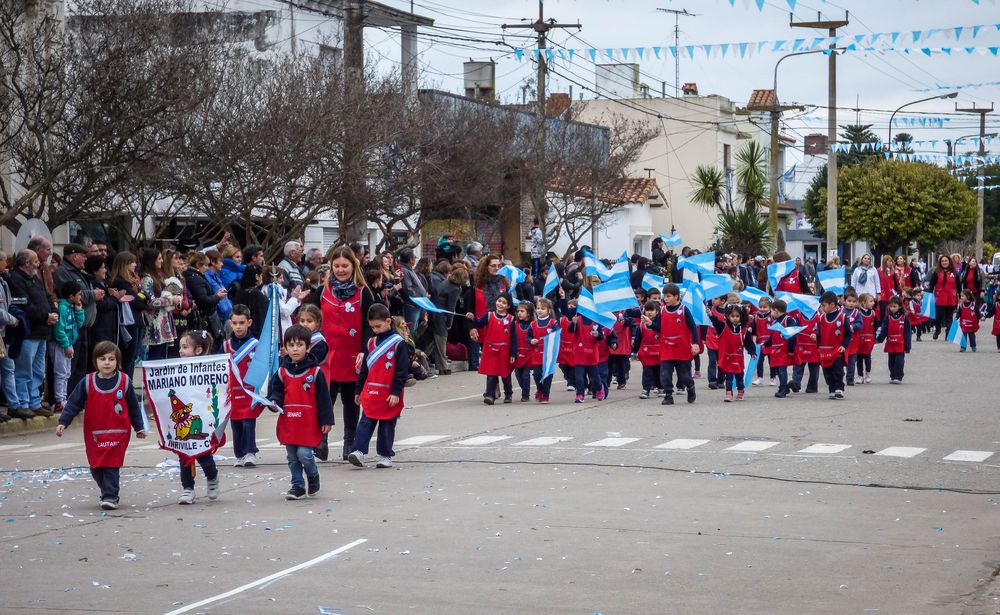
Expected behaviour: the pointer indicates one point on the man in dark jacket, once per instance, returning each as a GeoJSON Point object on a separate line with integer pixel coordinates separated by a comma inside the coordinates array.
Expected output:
{"type": "Point", "coordinates": [71, 270]}
{"type": "Point", "coordinates": [28, 292]}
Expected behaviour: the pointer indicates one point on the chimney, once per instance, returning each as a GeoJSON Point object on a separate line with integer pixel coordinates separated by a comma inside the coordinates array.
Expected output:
{"type": "Point", "coordinates": [557, 104]}
{"type": "Point", "coordinates": [689, 89]}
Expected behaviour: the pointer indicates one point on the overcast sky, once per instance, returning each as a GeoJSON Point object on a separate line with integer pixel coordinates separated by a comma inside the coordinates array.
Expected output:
{"type": "Point", "coordinates": [881, 81]}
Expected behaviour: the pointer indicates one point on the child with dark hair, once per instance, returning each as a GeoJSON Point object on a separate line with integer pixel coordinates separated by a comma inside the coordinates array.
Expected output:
{"type": "Point", "coordinates": [523, 363]}
{"type": "Point", "coordinates": [967, 316]}
{"type": "Point", "coordinates": [300, 389]}
{"type": "Point", "coordinates": [678, 344]}
{"type": "Point", "coordinates": [194, 343]}
{"type": "Point", "coordinates": [734, 336]}
{"type": "Point", "coordinates": [65, 333]}
{"type": "Point", "coordinates": [895, 331]}
{"type": "Point", "coordinates": [647, 343]}
{"type": "Point", "coordinates": [499, 342]}
{"type": "Point", "coordinates": [833, 335]}
{"type": "Point", "coordinates": [243, 416]}
{"type": "Point", "coordinates": [781, 349]}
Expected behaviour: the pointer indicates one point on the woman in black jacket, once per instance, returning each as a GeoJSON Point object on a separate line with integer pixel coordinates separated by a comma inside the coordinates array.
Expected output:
{"type": "Point", "coordinates": [201, 293]}
{"type": "Point", "coordinates": [253, 297]}
{"type": "Point", "coordinates": [106, 323]}
{"type": "Point", "coordinates": [124, 278]}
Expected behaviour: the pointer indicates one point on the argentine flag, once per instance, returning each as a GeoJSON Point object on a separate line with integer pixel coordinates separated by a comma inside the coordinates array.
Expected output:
{"type": "Point", "coordinates": [550, 352]}
{"type": "Point", "coordinates": [702, 263]}
{"type": "Point", "coordinates": [808, 305]}
{"type": "Point", "coordinates": [593, 266]}
{"type": "Point", "coordinates": [512, 273]}
{"type": "Point", "coordinates": [833, 280]}
{"type": "Point", "coordinates": [928, 308]}
{"type": "Point", "coordinates": [753, 295]}
{"type": "Point", "coordinates": [620, 268]}
{"type": "Point", "coordinates": [777, 271]}
{"type": "Point", "coordinates": [694, 301]}
{"type": "Point", "coordinates": [425, 303]}
{"type": "Point", "coordinates": [751, 367]}
{"type": "Point", "coordinates": [614, 295]}
{"type": "Point", "coordinates": [786, 332]}
{"type": "Point", "coordinates": [716, 285]}
{"type": "Point", "coordinates": [955, 335]}
{"type": "Point", "coordinates": [673, 240]}
{"type": "Point", "coordinates": [265, 359]}
{"type": "Point", "coordinates": [586, 307]}
{"type": "Point", "coordinates": [651, 281]}
{"type": "Point", "coordinates": [551, 281]}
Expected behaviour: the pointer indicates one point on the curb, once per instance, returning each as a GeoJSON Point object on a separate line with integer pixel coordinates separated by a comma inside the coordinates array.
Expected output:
{"type": "Point", "coordinates": [15, 427]}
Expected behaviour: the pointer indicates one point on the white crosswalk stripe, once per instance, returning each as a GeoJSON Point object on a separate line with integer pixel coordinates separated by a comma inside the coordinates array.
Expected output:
{"type": "Point", "coordinates": [825, 449]}
{"type": "Point", "coordinates": [10, 447]}
{"type": "Point", "coordinates": [417, 440]}
{"type": "Point", "coordinates": [974, 456]}
{"type": "Point", "coordinates": [682, 444]}
{"type": "Point", "coordinates": [901, 451]}
{"type": "Point", "coordinates": [752, 446]}
{"type": "Point", "coordinates": [612, 442]}
{"type": "Point", "coordinates": [544, 441]}
{"type": "Point", "coordinates": [483, 440]}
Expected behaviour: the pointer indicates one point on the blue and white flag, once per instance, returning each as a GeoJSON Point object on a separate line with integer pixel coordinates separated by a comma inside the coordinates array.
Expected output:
{"type": "Point", "coordinates": [614, 295]}
{"type": "Point", "coordinates": [674, 239]}
{"type": "Point", "coordinates": [786, 332]}
{"type": "Point", "coordinates": [512, 273]}
{"type": "Point", "coordinates": [928, 307]}
{"type": "Point", "coordinates": [586, 307]}
{"type": "Point", "coordinates": [264, 363]}
{"type": "Point", "coordinates": [808, 305]}
{"type": "Point", "coordinates": [833, 280]}
{"type": "Point", "coordinates": [955, 335]}
{"type": "Point", "coordinates": [651, 281]}
{"type": "Point", "coordinates": [777, 271]}
{"type": "Point", "coordinates": [550, 352]}
{"type": "Point", "coordinates": [716, 285]}
{"type": "Point", "coordinates": [551, 280]}
{"type": "Point", "coordinates": [702, 263]}
{"type": "Point", "coordinates": [425, 303]}
{"type": "Point", "coordinates": [593, 266]}
{"type": "Point", "coordinates": [694, 301]}
{"type": "Point", "coordinates": [753, 295]}
{"type": "Point", "coordinates": [620, 268]}
{"type": "Point", "coordinates": [751, 370]}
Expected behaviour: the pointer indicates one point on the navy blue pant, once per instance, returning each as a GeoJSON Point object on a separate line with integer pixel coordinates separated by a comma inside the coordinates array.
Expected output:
{"type": "Point", "coordinates": [108, 480]}
{"type": "Point", "coordinates": [244, 437]}
{"type": "Point", "coordinates": [782, 377]}
{"type": "Point", "coordinates": [896, 361]}
{"type": "Point", "coordinates": [587, 374]}
{"type": "Point", "coordinates": [544, 386]}
{"type": "Point", "coordinates": [728, 378]}
{"type": "Point", "coordinates": [713, 366]}
{"type": "Point", "coordinates": [207, 463]}
{"type": "Point", "coordinates": [604, 373]}
{"type": "Point", "coordinates": [523, 375]}
{"type": "Point", "coordinates": [650, 377]}
{"type": "Point", "coordinates": [386, 435]}
{"type": "Point", "coordinates": [493, 382]}
{"type": "Point", "coordinates": [683, 371]}
{"type": "Point", "coordinates": [834, 375]}
{"type": "Point", "coordinates": [799, 371]}
{"type": "Point", "coordinates": [619, 366]}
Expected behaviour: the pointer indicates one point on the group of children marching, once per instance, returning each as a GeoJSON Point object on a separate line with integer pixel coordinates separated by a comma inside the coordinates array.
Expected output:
{"type": "Point", "coordinates": [299, 392]}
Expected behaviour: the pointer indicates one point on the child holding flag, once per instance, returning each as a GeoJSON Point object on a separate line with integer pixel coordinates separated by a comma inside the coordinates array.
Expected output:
{"type": "Point", "coordinates": [968, 319]}
{"type": "Point", "coordinates": [499, 342]}
{"type": "Point", "coordinates": [523, 364]}
{"type": "Point", "coordinates": [678, 344]}
{"type": "Point", "coordinates": [243, 417]}
{"type": "Point", "coordinates": [587, 335]}
{"type": "Point", "coordinates": [384, 370]}
{"type": "Point", "coordinates": [648, 342]}
{"type": "Point", "coordinates": [541, 327]}
{"type": "Point", "coordinates": [196, 343]}
{"type": "Point", "coordinates": [781, 349]}
{"type": "Point", "coordinates": [110, 408]}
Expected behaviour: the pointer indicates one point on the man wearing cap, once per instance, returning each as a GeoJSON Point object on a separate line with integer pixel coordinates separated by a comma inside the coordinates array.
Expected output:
{"type": "Point", "coordinates": [71, 270]}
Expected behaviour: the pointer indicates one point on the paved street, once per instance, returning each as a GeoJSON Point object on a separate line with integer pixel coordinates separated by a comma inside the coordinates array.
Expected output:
{"type": "Point", "coordinates": [886, 502]}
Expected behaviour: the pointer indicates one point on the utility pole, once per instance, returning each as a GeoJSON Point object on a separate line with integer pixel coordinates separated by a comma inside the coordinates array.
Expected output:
{"type": "Point", "coordinates": [352, 219]}
{"type": "Point", "coordinates": [677, 45]}
{"type": "Point", "coordinates": [831, 27]}
{"type": "Point", "coordinates": [541, 28]}
{"type": "Point", "coordinates": [982, 111]}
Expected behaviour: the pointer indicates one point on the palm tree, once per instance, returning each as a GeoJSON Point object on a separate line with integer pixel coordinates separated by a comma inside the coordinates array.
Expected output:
{"type": "Point", "coordinates": [709, 188]}
{"type": "Point", "coordinates": [903, 141]}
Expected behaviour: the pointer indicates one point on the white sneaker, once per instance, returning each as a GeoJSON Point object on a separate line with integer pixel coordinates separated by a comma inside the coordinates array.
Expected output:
{"type": "Point", "coordinates": [383, 462]}
{"type": "Point", "coordinates": [833, 396]}
{"type": "Point", "coordinates": [213, 489]}
{"type": "Point", "coordinates": [357, 458]}
{"type": "Point", "coordinates": [774, 382]}
{"type": "Point", "coordinates": [756, 382]}
{"type": "Point", "coordinates": [250, 460]}
{"type": "Point", "coordinates": [868, 377]}
{"type": "Point", "coordinates": [187, 497]}
{"type": "Point", "coordinates": [240, 461]}
{"type": "Point", "coordinates": [838, 394]}
{"type": "Point", "coordinates": [570, 387]}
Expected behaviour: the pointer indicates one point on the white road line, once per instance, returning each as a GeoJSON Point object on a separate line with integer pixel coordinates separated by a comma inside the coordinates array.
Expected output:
{"type": "Point", "coordinates": [682, 444]}
{"type": "Point", "coordinates": [418, 440]}
{"type": "Point", "coordinates": [481, 440]}
{"type": "Point", "coordinates": [543, 441]}
{"type": "Point", "coordinates": [10, 447]}
{"type": "Point", "coordinates": [53, 447]}
{"type": "Point", "coordinates": [976, 456]}
{"type": "Point", "coordinates": [609, 442]}
{"type": "Point", "coordinates": [826, 449]}
{"type": "Point", "coordinates": [269, 578]}
{"type": "Point", "coordinates": [752, 446]}
{"type": "Point", "coordinates": [901, 451]}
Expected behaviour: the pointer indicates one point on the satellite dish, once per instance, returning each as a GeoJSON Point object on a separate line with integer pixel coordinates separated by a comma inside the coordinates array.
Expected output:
{"type": "Point", "coordinates": [32, 228]}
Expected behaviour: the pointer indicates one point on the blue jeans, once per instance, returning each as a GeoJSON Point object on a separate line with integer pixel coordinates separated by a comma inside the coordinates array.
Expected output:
{"type": "Point", "coordinates": [412, 315]}
{"type": "Point", "coordinates": [301, 458]}
{"type": "Point", "coordinates": [587, 375]}
{"type": "Point", "coordinates": [29, 370]}
{"type": "Point", "coordinates": [244, 437]}
{"type": "Point", "coordinates": [386, 435]}
{"type": "Point", "coordinates": [7, 382]}
{"type": "Point", "coordinates": [475, 349]}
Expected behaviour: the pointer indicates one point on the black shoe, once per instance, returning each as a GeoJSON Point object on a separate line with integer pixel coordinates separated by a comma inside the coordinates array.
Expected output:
{"type": "Point", "coordinates": [691, 394]}
{"type": "Point", "coordinates": [3, 416]}
{"type": "Point", "coordinates": [850, 383]}
{"type": "Point", "coordinates": [713, 385]}
{"type": "Point", "coordinates": [488, 400]}
{"type": "Point", "coordinates": [524, 398]}
{"type": "Point", "coordinates": [668, 400]}
{"type": "Point", "coordinates": [313, 482]}
{"type": "Point", "coordinates": [782, 393]}
{"type": "Point", "coordinates": [936, 334]}
{"type": "Point", "coordinates": [507, 399]}
{"type": "Point", "coordinates": [22, 413]}
{"type": "Point", "coordinates": [295, 493]}
{"type": "Point", "coordinates": [794, 387]}
{"type": "Point", "coordinates": [322, 451]}
{"type": "Point", "coordinates": [811, 390]}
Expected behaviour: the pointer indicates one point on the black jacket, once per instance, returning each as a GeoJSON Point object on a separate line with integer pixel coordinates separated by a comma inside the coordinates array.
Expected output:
{"type": "Point", "coordinates": [201, 291]}
{"type": "Point", "coordinates": [29, 293]}
{"type": "Point", "coordinates": [105, 327]}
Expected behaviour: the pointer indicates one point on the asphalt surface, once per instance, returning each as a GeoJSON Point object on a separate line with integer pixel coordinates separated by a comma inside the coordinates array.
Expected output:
{"type": "Point", "coordinates": [621, 506]}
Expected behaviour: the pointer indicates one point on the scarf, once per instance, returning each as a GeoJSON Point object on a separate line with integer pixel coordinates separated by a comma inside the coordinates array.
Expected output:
{"type": "Point", "coordinates": [343, 290]}
{"type": "Point", "coordinates": [863, 278]}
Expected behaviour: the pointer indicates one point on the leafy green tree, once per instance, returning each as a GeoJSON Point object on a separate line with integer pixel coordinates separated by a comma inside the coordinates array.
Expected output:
{"type": "Point", "coordinates": [991, 202]}
{"type": "Point", "coordinates": [894, 203]}
{"type": "Point", "coordinates": [856, 134]}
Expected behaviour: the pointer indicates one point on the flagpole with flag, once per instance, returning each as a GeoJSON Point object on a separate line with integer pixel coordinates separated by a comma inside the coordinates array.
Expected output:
{"type": "Point", "coordinates": [265, 360]}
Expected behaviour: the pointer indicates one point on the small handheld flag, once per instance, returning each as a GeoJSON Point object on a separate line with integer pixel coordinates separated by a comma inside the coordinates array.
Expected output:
{"type": "Point", "coordinates": [928, 306]}
{"type": "Point", "coordinates": [786, 332]}
{"type": "Point", "coordinates": [751, 370]}
{"type": "Point", "coordinates": [550, 352]}
{"type": "Point", "coordinates": [551, 281]}
{"type": "Point", "coordinates": [512, 273]}
{"type": "Point", "coordinates": [674, 239]}
{"type": "Point", "coordinates": [753, 295]}
{"type": "Point", "coordinates": [702, 263]}
{"type": "Point", "coordinates": [955, 335]}
{"type": "Point", "coordinates": [425, 303]}
{"type": "Point", "coordinates": [833, 280]}
{"type": "Point", "coordinates": [777, 271]}
{"type": "Point", "coordinates": [651, 281]}
{"type": "Point", "coordinates": [694, 300]}
{"type": "Point", "coordinates": [716, 285]}
{"type": "Point", "coordinates": [586, 307]}
{"type": "Point", "coordinates": [614, 295]}
{"type": "Point", "coordinates": [265, 359]}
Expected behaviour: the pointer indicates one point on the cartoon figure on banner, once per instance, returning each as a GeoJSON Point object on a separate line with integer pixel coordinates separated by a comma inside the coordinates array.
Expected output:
{"type": "Point", "coordinates": [187, 424]}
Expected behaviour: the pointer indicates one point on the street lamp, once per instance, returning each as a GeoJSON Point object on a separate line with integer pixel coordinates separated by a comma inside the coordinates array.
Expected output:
{"type": "Point", "coordinates": [775, 114]}
{"type": "Point", "coordinates": [893, 116]}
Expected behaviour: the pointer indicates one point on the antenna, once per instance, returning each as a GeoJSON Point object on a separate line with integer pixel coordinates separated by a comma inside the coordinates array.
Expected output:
{"type": "Point", "coordinates": [677, 44]}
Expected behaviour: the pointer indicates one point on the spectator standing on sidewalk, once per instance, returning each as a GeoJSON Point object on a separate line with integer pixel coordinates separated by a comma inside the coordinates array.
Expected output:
{"type": "Point", "coordinates": [28, 292]}
{"type": "Point", "coordinates": [72, 270]}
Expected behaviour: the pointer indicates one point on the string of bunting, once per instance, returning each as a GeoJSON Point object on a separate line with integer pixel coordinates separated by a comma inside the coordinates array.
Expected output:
{"type": "Point", "coordinates": [931, 143]}
{"type": "Point", "coordinates": [960, 86]}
